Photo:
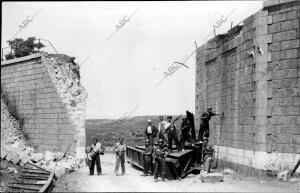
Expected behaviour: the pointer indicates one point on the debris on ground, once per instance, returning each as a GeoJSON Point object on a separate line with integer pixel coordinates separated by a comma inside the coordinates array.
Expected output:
{"type": "Point", "coordinates": [212, 177]}
{"type": "Point", "coordinates": [283, 175]}
{"type": "Point", "coordinates": [294, 180]}
{"type": "Point", "coordinates": [228, 171]}
{"type": "Point", "coordinates": [231, 173]}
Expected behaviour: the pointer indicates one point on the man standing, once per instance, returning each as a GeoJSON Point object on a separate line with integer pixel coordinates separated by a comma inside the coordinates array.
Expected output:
{"type": "Point", "coordinates": [147, 157]}
{"type": "Point", "coordinates": [172, 134]}
{"type": "Point", "coordinates": [204, 125]}
{"type": "Point", "coordinates": [185, 131]}
{"type": "Point", "coordinates": [160, 153]}
{"type": "Point", "coordinates": [120, 149]}
{"type": "Point", "coordinates": [161, 129]}
{"type": "Point", "coordinates": [94, 155]}
{"type": "Point", "coordinates": [150, 132]}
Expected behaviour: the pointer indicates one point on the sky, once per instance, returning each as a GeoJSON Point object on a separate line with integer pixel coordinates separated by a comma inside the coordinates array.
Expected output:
{"type": "Point", "coordinates": [125, 48]}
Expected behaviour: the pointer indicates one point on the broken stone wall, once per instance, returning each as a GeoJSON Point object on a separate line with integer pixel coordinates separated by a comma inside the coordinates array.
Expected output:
{"type": "Point", "coordinates": [49, 99]}
{"type": "Point", "coordinates": [252, 74]}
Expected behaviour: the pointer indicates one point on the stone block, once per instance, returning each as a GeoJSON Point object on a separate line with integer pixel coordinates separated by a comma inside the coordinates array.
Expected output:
{"type": "Point", "coordinates": [9, 156]}
{"type": "Point", "coordinates": [289, 54]}
{"type": "Point", "coordinates": [289, 44]}
{"type": "Point", "coordinates": [275, 27]}
{"type": "Point", "coordinates": [296, 139]}
{"type": "Point", "coordinates": [292, 15]}
{"type": "Point", "coordinates": [283, 175]}
{"type": "Point", "coordinates": [15, 159]}
{"type": "Point", "coordinates": [3, 153]}
{"type": "Point", "coordinates": [279, 17]}
{"type": "Point", "coordinates": [287, 25]}
{"type": "Point", "coordinates": [212, 177]}
{"type": "Point", "coordinates": [268, 3]}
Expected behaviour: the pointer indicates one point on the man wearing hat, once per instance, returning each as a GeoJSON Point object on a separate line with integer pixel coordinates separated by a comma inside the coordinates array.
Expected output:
{"type": "Point", "coordinates": [147, 157]}
{"type": "Point", "coordinates": [159, 155]}
{"type": "Point", "coordinates": [172, 134]}
{"type": "Point", "coordinates": [150, 132]}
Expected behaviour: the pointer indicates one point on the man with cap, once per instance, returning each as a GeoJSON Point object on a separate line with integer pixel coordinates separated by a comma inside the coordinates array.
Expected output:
{"type": "Point", "coordinates": [159, 155]}
{"type": "Point", "coordinates": [150, 132]}
{"type": "Point", "coordinates": [185, 131]}
{"type": "Point", "coordinates": [204, 125]}
{"type": "Point", "coordinates": [172, 134]}
{"type": "Point", "coordinates": [147, 157]}
{"type": "Point", "coordinates": [94, 155]}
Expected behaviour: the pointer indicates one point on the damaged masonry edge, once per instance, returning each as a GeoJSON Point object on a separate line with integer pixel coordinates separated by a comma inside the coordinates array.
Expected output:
{"type": "Point", "coordinates": [21, 59]}
{"type": "Point", "coordinates": [75, 114]}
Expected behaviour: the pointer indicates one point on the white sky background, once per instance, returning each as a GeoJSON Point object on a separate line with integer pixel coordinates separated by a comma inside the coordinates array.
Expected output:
{"type": "Point", "coordinates": [122, 72]}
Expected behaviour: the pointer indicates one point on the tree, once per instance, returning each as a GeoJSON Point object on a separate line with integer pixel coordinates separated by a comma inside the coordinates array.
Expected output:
{"type": "Point", "coordinates": [22, 48]}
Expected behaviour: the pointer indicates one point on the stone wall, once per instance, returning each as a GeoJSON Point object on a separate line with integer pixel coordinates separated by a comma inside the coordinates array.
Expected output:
{"type": "Point", "coordinates": [52, 116]}
{"type": "Point", "coordinates": [252, 74]}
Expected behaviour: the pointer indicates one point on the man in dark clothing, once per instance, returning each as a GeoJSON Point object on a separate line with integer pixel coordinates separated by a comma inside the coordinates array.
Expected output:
{"type": "Point", "coordinates": [150, 132]}
{"type": "Point", "coordinates": [159, 155]}
{"type": "Point", "coordinates": [204, 125]}
{"type": "Point", "coordinates": [172, 134]}
{"type": "Point", "coordinates": [185, 131]}
{"type": "Point", "coordinates": [147, 157]}
{"type": "Point", "coordinates": [95, 156]}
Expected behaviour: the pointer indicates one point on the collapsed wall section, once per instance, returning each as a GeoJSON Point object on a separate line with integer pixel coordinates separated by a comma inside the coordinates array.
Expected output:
{"type": "Point", "coordinates": [51, 119]}
{"type": "Point", "coordinates": [252, 74]}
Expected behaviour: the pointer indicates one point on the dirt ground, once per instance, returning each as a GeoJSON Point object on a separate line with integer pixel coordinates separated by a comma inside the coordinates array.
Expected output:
{"type": "Point", "coordinates": [134, 182]}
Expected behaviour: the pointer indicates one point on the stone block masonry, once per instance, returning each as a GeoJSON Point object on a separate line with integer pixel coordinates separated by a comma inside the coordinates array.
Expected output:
{"type": "Point", "coordinates": [252, 74]}
{"type": "Point", "coordinates": [49, 99]}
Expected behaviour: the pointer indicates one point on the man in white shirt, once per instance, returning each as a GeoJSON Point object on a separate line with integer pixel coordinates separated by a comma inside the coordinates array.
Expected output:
{"type": "Point", "coordinates": [94, 155]}
{"type": "Point", "coordinates": [150, 132]}
{"type": "Point", "coordinates": [120, 149]}
{"type": "Point", "coordinates": [161, 129]}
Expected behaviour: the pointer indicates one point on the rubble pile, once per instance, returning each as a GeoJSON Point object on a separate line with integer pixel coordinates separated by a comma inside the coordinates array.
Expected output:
{"type": "Point", "coordinates": [16, 150]}
{"type": "Point", "coordinates": [10, 127]}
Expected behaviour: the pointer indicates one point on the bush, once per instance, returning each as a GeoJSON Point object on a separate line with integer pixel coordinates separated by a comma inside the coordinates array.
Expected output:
{"type": "Point", "coordinates": [21, 48]}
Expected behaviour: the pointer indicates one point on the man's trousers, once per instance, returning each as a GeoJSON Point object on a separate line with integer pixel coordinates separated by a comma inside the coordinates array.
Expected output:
{"type": "Point", "coordinates": [95, 160]}
{"type": "Point", "coordinates": [120, 159]}
{"type": "Point", "coordinates": [160, 167]}
{"type": "Point", "coordinates": [172, 135]}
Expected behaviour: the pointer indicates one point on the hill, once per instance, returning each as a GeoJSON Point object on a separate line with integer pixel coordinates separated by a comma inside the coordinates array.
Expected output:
{"type": "Point", "coordinates": [109, 130]}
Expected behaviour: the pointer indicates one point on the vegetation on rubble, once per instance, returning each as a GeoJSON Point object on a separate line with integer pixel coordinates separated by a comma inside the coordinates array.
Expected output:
{"type": "Point", "coordinates": [20, 47]}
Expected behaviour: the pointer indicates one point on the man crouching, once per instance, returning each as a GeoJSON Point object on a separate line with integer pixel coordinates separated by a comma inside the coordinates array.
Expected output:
{"type": "Point", "coordinates": [208, 155]}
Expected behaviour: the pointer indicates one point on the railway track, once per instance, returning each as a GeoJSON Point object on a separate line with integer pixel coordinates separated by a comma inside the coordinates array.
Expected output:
{"type": "Point", "coordinates": [32, 178]}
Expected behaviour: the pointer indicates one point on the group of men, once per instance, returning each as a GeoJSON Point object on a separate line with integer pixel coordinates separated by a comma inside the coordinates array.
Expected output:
{"type": "Point", "coordinates": [155, 155]}
{"type": "Point", "coordinates": [94, 151]}
{"type": "Point", "coordinates": [166, 133]}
